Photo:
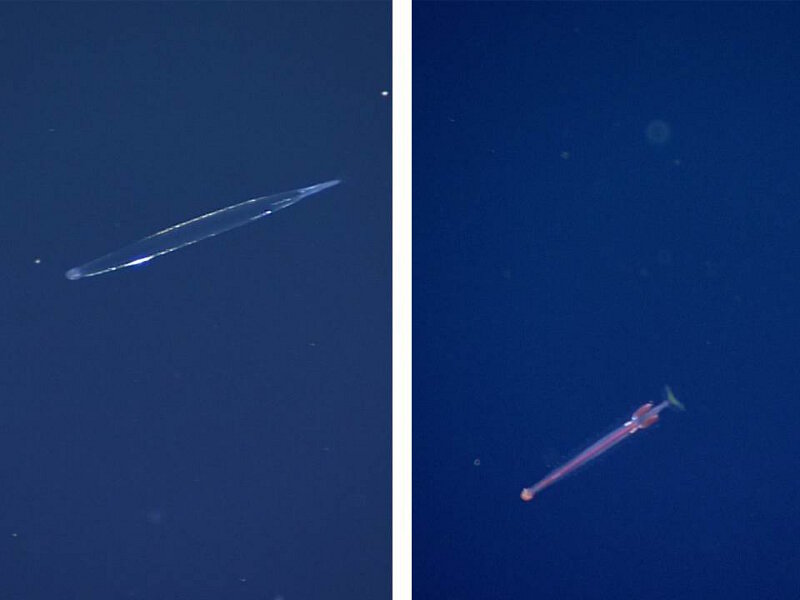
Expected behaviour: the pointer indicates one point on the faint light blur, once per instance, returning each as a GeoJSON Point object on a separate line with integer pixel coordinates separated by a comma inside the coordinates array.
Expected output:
{"type": "Point", "coordinates": [658, 132]}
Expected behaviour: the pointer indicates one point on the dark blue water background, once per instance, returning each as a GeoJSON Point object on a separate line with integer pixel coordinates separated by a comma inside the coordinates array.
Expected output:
{"type": "Point", "coordinates": [606, 200]}
{"type": "Point", "coordinates": [215, 424]}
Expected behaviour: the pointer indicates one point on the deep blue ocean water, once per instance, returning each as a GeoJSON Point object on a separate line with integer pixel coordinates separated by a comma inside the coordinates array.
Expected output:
{"type": "Point", "coordinates": [606, 201]}
{"type": "Point", "coordinates": [215, 424]}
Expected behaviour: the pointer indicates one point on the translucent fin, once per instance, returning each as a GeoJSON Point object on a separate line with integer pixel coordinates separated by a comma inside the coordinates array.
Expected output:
{"type": "Point", "coordinates": [642, 411]}
{"type": "Point", "coordinates": [649, 421]}
{"type": "Point", "coordinates": [670, 397]}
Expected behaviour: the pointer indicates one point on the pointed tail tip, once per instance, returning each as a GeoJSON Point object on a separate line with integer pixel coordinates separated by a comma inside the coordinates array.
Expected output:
{"type": "Point", "coordinates": [316, 188]}
{"type": "Point", "coordinates": [327, 184]}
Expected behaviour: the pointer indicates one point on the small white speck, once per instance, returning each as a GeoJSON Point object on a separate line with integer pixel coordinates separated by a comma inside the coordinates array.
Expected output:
{"type": "Point", "coordinates": [385, 93]}
{"type": "Point", "coordinates": [37, 261]}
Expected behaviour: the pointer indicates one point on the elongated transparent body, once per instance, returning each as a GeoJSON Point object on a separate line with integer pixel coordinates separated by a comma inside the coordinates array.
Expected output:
{"type": "Point", "coordinates": [194, 230]}
{"type": "Point", "coordinates": [645, 415]}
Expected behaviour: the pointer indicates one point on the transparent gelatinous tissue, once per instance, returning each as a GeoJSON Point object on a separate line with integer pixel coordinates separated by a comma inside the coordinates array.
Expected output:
{"type": "Point", "coordinates": [194, 230]}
